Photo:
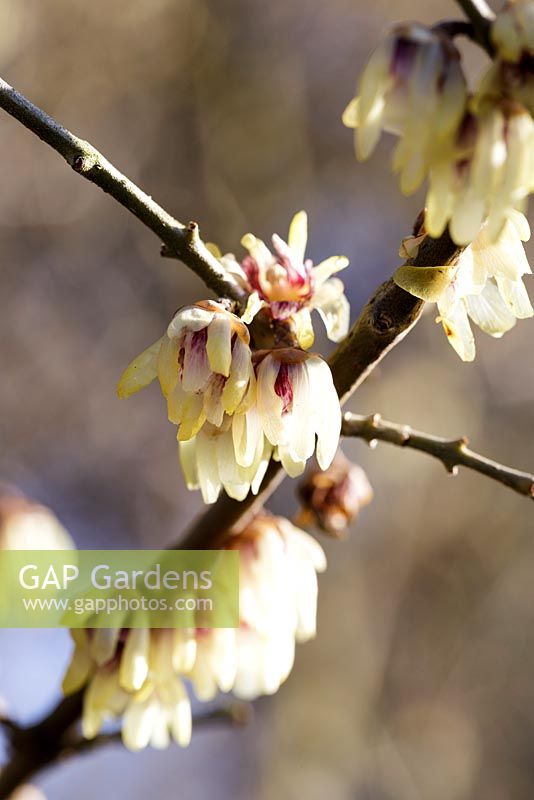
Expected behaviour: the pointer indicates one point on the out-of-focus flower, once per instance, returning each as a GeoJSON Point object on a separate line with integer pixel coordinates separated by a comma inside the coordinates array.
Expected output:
{"type": "Point", "coordinates": [488, 172]}
{"type": "Point", "coordinates": [289, 286]}
{"type": "Point", "coordinates": [134, 674]}
{"type": "Point", "coordinates": [413, 86]}
{"type": "Point", "coordinates": [297, 403]}
{"type": "Point", "coordinates": [138, 675]}
{"type": "Point", "coordinates": [203, 364]}
{"type": "Point", "coordinates": [485, 286]}
{"type": "Point", "coordinates": [332, 499]}
{"type": "Point", "coordinates": [233, 456]}
{"type": "Point", "coordinates": [512, 32]}
{"type": "Point", "coordinates": [278, 607]}
{"type": "Point", "coordinates": [25, 525]}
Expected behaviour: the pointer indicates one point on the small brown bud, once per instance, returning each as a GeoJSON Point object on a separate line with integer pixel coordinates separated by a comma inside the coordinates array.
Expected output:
{"type": "Point", "coordinates": [332, 499]}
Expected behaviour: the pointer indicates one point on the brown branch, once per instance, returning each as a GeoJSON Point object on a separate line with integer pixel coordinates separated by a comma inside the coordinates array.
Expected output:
{"type": "Point", "coordinates": [452, 453]}
{"type": "Point", "coordinates": [481, 16]}
{"type": "Point", "coordinates": [183, 241]}
{"type": "Point", "coordinates": [34, 753]}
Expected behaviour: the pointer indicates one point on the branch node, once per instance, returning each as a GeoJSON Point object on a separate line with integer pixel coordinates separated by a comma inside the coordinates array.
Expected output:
{"type": "Point", "coordinates": [192, 236]}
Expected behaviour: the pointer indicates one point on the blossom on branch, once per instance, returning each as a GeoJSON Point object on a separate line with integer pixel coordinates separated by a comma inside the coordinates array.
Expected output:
{"type": "Point", "coordinates": [512, 33]}
{"type": "Point", "coordinates": [485, 286]}
{"type": "Point", "coordinates": [298, 407]}
{"type": "Point", "coordinates": [140, 675]}
{"type": "Point", "coordinates": [413, 86]}
{"type": "Point", "coordinates": [203, 364]}
{"type": "Point", "coordinates": [289, 286]}
{"type": "Point", "coordinates": [488, 172]}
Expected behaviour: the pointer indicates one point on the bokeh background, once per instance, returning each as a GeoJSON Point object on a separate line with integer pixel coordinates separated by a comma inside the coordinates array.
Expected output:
{"type": "Point", "coordinates": [419, 684]}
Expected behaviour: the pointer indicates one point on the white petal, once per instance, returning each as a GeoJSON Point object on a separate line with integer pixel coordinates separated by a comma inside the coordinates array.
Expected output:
{"type": "Point", "coordinates": [219, 344]}
{"type": "Point", "coordinates": [298, 235]}
{"type": "Point", "coordinates": [333, 306]}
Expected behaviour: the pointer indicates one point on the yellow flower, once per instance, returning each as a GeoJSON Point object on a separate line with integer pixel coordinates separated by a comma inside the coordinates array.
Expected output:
{"type": "Point", "coordinates": [278, 607]}
{"type": "Point", "coordinates": [297, 403]}
{"type": "Point", "coordinates": [289, 286]}
{"type": "Point", "coordinates": [413, 86]}
{"type": "Point", "coordinates": [512, 33]}
{"type": "Point", "coordinates": [489, 172]}
{"type": "Point", "coordinates": [485, 286]}
{"type": "Point", "coordinates": [204, 367]}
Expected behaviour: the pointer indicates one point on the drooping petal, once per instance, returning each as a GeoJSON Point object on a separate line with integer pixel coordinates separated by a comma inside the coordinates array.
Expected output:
{"type": "Point", "coordinates": [219, 345]}
{"type": "Point", "coordinates": [334, 308]}
{"type": "Point", "coordinates": [140, 372]}
{"type": "Point", "coordinates": [458, 330]}
{"type": "Point", "coordinates": [168, 364]}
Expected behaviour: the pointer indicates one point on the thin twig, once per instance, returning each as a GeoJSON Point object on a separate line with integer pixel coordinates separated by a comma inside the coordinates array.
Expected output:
{"type": "Point", "coordinates": [34, 752]}
{"type": "Point", "coordinates": [183, 241]}
{"type": "Point", "coordinates": [452, 453]}
{"type": "Point", "coordinates": [481, 15]}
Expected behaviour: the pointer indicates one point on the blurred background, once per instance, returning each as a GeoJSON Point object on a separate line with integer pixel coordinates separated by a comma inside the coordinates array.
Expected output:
{"type": "Point", "coordinates": [419, 684]}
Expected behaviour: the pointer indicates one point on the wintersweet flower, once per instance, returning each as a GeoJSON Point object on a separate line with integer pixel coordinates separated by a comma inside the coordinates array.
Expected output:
{"type": "Point", "coordinates": [134, 674]}
{"type": "Point", "coordinates": [289, 286]}
{"type": "Point", "coordinates": [204, 367]}
{"type": "Point", "coordinates": [488, 172]}
{"type": "Point", "coordinates": [512, 33]}
{"type": "Point", "coordinates": [297, 403]}
{"type": "Point", "coordinates": [233, 456]}
{"type": "Point", "coordinates": [413, 86]}
{"type": "Point", "coordinates": [485, 286]}
{"type": "Point", "coordinates": [278, 607]}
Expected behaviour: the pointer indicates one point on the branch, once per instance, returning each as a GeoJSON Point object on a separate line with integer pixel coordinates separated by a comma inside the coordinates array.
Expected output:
{"type": "Point", "coordinates": [33, 755]}
{"type": "Point", "coordinates": [452, 453]}
{"type": "Point", "coordinates": [481, 16]}
{"type": "Point", "coordinates": [182, 241]}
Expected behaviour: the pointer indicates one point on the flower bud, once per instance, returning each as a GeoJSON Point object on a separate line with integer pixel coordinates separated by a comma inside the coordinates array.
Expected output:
{"type": "Point", "coordinates": [332, 499]}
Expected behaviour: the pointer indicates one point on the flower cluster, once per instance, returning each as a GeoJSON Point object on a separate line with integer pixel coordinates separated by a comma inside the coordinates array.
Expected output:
{"type": "Point", "coordinates": [484, 286]}
{"type": "Point", "coordinates": [235, 407]}
{"type": "Point", "coordinates": [140, 674]}
{"type": "Point", "coordinates": [476, 149]}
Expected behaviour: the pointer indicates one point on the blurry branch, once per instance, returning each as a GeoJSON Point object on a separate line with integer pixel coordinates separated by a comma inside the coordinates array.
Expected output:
{"type": "Point", "coordinates": [53, 740]}
{"type": "Point", "coordinates": [481, 16]}
{"type": "Point", "coordinates": [452, 453]}
{"type": "Point", "coordinates": [182, 241]}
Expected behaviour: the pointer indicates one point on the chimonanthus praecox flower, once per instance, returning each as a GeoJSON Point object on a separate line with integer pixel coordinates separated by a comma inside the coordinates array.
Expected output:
{"type": "Point", "coordinates": [134, 674]}
{"type": "Point", "coordinates": [278, 607]}
{"type": "Point", "coordinates": [289, 286]}
{"type": "Point", "coordinates": [233, 457]}
{"type": "Point", "coordinates": [485, 285]}
{"type": "Point", "coordinates": [297, 403]}
{"type": "Point", "coordinates": [488, 171]}
{"type": "Point", "coordinates": [204, 367]}
{"type": "Point", "coordinates": [139, 675]}
{"type": "Point", "coordinates": [512, 33]}
{"type": "Point", "coordinates": [413, 86]}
